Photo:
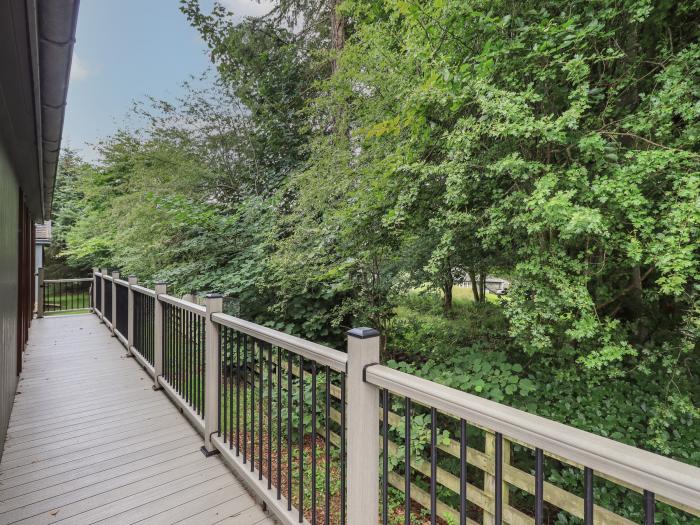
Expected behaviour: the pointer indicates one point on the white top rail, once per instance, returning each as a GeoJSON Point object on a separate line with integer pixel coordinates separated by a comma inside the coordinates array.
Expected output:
{"type": "Point", "coordinates": [181, 303]}
{"type": "Point", "coordinates": [121, 282]}
{"type": "Point", "coordinates": [666, 477]}
{"type": "Point", "coordinates": [143, 290]}
{"type": "Point", "coordinates": [323, 355]}
{"type": "Point", "coordinates": [80, 280]}
{"type": "Point", "coordinates": [107, 277]}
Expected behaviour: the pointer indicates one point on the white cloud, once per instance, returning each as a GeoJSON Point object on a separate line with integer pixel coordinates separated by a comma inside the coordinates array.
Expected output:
{"type": "Point", "coordinates": [79, 70]}
{"type": "Point", "coordinates": [242, 8]}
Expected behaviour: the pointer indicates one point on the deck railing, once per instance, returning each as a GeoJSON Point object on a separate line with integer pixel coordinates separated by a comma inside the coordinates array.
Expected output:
{"type": "Point", "coordinates": [324, 436]}
{"type": "Point", "coordinates": [63, 295]}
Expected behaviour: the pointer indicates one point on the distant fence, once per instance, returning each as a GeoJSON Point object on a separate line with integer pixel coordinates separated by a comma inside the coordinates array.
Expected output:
{"type": "Point", "coordinates": [324, 436]}
{"type": "Point", "coordinates": [63, 295]}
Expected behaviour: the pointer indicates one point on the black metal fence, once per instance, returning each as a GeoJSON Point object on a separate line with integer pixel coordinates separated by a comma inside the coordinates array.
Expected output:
{"type": "Point", "coordinates": [144, 316]}
{"type": "Point", "coordinates": [183, 354]}
{"type": "Point", "coordinates": [122, 313]}
{"type": "Point", "coordinates": [97, 286]}
{"type": "Point", "coordinates": [108, 300]}
{"type": "Point", "coordinates": [66, 295]}
{"type": "Point", "coordinates": [284, 414]}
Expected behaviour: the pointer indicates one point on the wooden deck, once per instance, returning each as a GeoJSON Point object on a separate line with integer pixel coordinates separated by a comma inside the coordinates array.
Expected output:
{"type": "Point", "coordinates": [90, 441]}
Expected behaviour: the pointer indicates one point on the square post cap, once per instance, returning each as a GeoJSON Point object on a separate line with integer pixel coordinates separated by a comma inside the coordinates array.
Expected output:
{"type": "Point", "coordinates": [363, 332]}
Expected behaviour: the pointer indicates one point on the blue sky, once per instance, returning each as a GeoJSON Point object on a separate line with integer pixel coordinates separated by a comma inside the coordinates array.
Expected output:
{"type": "Point", "coordinates": [125, 50]}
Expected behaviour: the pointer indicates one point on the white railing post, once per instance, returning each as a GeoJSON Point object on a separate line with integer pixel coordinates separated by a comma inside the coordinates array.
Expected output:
{"type": "Point", "coordinates": [40, 298]}
{"type": "Point", "coordinates": [130, 322]}
{"type": "Point", "coordinates": [214, 304]}
{"type": "Point", "coordinates": [115, 276]}
{"type": "Point", "coordinates": [102, 297]}
{"type": "Point", "coordinates": [362, 429]}
{"type": "Point", "coordinates": [160, 289]}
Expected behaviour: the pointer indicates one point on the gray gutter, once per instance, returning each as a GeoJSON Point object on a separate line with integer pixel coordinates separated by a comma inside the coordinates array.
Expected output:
{"type": "Point", "coordinates": [56, 27]}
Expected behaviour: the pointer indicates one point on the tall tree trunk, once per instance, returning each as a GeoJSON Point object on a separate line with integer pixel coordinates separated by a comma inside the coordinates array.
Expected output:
{"type": "Point", "coordinates": [447, 293]}
{"type": "Point", "coordinates": [337, 31]}
{"type": "Point", "coordinates": [475, 287]}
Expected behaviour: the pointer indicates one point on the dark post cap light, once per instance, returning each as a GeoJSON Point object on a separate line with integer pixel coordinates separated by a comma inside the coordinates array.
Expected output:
{"type": "Point", "coordinates": [363, 332]}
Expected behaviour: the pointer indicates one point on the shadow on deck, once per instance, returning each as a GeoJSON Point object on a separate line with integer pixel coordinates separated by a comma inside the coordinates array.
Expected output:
{"type": "Point", "coordinates": [90, 440]}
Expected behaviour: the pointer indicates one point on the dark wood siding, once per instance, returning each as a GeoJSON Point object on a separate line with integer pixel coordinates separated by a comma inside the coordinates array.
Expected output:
{"type": "Point", "coordinates": [9, 268]}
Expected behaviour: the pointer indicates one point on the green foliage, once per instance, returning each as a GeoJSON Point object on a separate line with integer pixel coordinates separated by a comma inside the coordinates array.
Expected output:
{"type": "Point", "coordinates": [556, 144]}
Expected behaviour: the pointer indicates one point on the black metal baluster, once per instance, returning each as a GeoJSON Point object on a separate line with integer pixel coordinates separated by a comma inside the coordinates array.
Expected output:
{"type": "Point", "coordinates": [238, 392]}
{"type": "Point", "coordinates": [463, 458]}
{"type": "Point", "coordinates": [385, 456]}
{"type": "Point", "coordinates": [279, 423]}
{"type": "Point", "coordinates": [197, 322]}
{"type": "Point", "coordinates": [186, 353]}
{"type": "Point", "coordinates": [252, 405]}
{"type": "Point", "coordinates": [166, 344]}
{"type": "Point", "coordinates": [407, 461]}
{"type": "Point", "coordinates": [433, 466]}
{"type": "Point", "coordinates": [245, 397]}
{"type": "Point", "coordinates": [139, 325]}
{"type": "Point", "coordinates": [171, 342]}
{"type": "Point", "coordinates": [232, 371]}
{"type": "Point", "coordinates": [166, 359]}
{"type": "Point", "coordinates": [289, 430]}
{"type": "Point", "coordinates": [222, 359]}
{"type": "Point", "coordinates": [173, 347]}
{"type": "Point", "coordinates": [185, 344]}
{"type": "Point", "coordinates": [498, 511]}
{"type": "Point", "coordinates": [649, 508]}
{"type": "Point", "coordinates": [327, 447]}
{"type": "Point", "coordinates": [189, 353]}
{"type": "Point", "coordinates": [200, 373]}
{"type": "Point", "coordinates": [269, 416]}
{"type": "Point", "coordinates": [142, 327]}
{"type": "Point", "coordinates": [343, 458]}
{"type": "Point", "coordinates": [301, 439]}
{"type": "Point", "coordinates": [178, 328]}
{"type": "Point", "coordinates": [539, 485]}
{"type": "Point", "coordinates": [192, 346]}
{"type": "Point", "coordinates": [587, 496]}
{"type": "Point", "coordinates": [313, 442]}
{"type": "Point", "coordinates": [261, 414]}
{"type": "Point", "coordinates": [152, 328]}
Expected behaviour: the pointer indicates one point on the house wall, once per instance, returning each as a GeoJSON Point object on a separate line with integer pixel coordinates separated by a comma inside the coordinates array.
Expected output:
{"type": "Point", "coordinates": [9, 226]}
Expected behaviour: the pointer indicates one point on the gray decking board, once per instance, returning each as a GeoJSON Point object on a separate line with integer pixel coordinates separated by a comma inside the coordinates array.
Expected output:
{"type": "Point", "coordinates": [90, 441]}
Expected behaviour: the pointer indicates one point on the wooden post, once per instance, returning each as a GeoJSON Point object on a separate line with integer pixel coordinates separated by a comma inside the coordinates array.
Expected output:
{"type": "Point", "coordinates": [115, 276]}
{"type": "Point", "coordinates": [160, 289]}
{"type": "Point", "coordinates": [104, 272]}
{"type": "Point", "coordinates": [214, 303]}
{"type": "Point", "coordinates": [40, 300]}
{"type": "Point", "coordinates": [130, 323]}
{"type": "Point", "coordinates": [362, 429]}
{"type": "Point", "coordinates": [95, 306]}
{"type": "Point", "coordinates": [490, 479]}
